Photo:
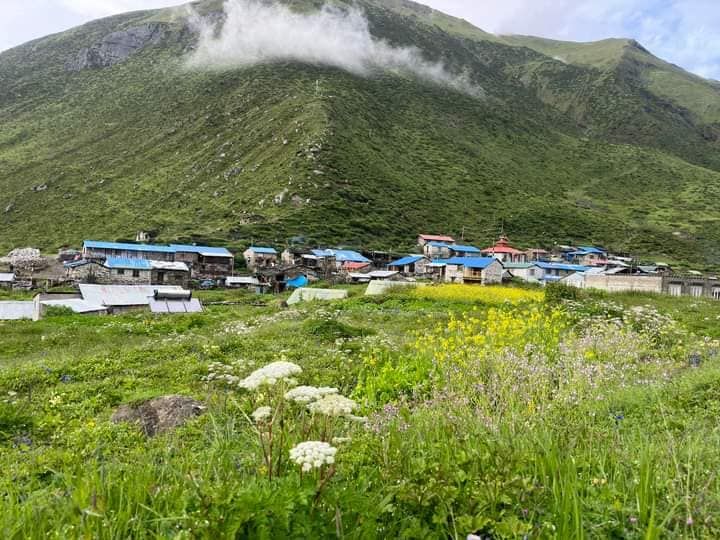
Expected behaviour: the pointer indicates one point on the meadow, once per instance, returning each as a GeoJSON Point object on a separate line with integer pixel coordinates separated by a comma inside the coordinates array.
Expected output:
{"type": "Point", "coordinates": [443, 412]}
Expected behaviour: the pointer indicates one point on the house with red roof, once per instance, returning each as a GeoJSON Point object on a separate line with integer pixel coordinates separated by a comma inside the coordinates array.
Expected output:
{"type": "Point", "coordinates": [439, 238]}
{"type": "Point", "coordinates": [504, 252]}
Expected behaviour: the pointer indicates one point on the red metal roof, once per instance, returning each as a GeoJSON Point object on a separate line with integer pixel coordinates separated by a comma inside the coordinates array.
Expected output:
{"type": "Point", "coordinates": [502, 246]}
{"type": "Point", "coordinates": [436, 238]}
{"type": "Point", "coordinates": [355, 265]}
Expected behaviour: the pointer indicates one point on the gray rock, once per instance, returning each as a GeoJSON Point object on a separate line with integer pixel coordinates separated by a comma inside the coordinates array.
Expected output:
{"type": "Point", "coordinates": [117, 47]}
{"type": "Point", "coordinates": [160, 414]}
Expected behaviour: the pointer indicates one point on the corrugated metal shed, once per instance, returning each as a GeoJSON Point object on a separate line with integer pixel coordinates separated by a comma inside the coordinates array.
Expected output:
{"type": "Point", "coordinates": [382, 274]}
{"type": "Point", "coordinates": [14, 311]}
{"type": "Point", "coordinates": [122, 295]}
{"type": "Point", "coordinates": [175, 306]}
{"type": "Point", "coordinates": [125, 263]}
{"type": "Point", "coordinates": [93, 244]}
{"type": "Point", "coordinates": [7, 278]}
{"type": "Point", "coordinates": [76, 304]}
{"type": "Point", "coordinates": [410, 259]}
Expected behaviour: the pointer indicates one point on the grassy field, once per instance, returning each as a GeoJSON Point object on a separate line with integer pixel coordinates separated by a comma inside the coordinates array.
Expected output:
{"type": "Point", "coordinates": [496, 412]}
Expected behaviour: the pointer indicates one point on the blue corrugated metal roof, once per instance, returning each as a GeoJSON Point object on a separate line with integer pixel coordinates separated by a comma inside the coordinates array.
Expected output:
{"type": "Point", "coordinates": [203, 250]}
{"type": "Point", "coordinates": [560, 266]}
{"type": "Point", "coordinates": [412, 259]}
{"type": "Point", "coordinates": [342, 255]}
{"type": "Point", "coordinates": [263, 250]}
{"type": "Point", "coordinates": [465, 249]}
{"type": "Point", "coordinates": [591, 249]}
{"type": "Point", "coordinates": [92, 244]}
{"type": "Point", "coordinates": [122, 262]}
{"type": "Point", "coordinates": [470, 262]}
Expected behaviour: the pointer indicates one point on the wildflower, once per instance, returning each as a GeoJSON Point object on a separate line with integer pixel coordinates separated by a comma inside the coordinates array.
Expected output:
{"type": "Point", "coordinates": [633, 520]}
{"type": "Point", "coordinates": [306, 394]}
{"type": "Point", "coordinates": [333, 405]}
{"type": "Point", "coordinates": [313, 455]}
{"type": "Point", "coordinates": [262, 413]}
{"type": "Point", "coordinates": [270, 375]}
{"type": "Point", "coordinates": [689, 522]}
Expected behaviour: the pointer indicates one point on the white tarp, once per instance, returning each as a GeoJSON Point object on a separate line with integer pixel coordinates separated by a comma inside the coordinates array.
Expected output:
{"type": "Point", "coordinates": [306, 295]}
{"type": "Point", "coordinates": [376, 288]}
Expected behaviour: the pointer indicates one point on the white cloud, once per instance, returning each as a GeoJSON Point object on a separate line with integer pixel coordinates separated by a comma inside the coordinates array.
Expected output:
{"type": "Point", "coordinates": [255, 33]}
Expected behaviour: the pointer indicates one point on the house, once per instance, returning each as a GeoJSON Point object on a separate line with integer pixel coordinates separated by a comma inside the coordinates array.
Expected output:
{"type": "Point", "coordinates": [169, 273]}
{"type": "Point", "coordinates": [351, 266]}
{"type": "Point", "coordinates": [99, 251]}
{"type": "Point", "coordinates": [691, 285]}
{"type": "Point", "coordinates": [125, 271]}
{"type": "Point", "coordinates": [412, 265]}
{"type": "Point", "coordinates": [556, 271]}
{"type": "Point", "coordinates": [503, 251]}
{"type": "Point", "coordinates": [426, 238]}
{"type": "Point", "coordinates": [588, 256]}
{"type": "Point", "coordinates": [537, 254]}
{"type": "Point", "coordinates": [7, 280]}
{"type": "Point", "coordinates": [203, 262]}
{"type": "Point", "coordinates": [437, 250]}
{"type": "Point", "coordinates": [527, 271]}
{"type": "Point", "coordinates": [463, 251]}
{"type": "Point", "coordinates": [86, 271]}
{"type": "Point", "coordinates": [484, 270]}
{"type": "Point", "coordinates": [260, 257]}
{"type": "Point", "coordinates": [326, 257]}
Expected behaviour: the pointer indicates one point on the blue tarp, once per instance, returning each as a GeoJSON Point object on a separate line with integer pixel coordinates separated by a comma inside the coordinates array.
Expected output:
{"type": "Point", "coordinates": [297, 283]}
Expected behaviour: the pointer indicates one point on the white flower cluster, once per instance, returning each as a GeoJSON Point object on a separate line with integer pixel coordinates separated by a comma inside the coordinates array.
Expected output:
{"type": "Point", "coordinates": [313, 455]}
{"type": "Point", "coordinates": [333, 405]}
{"type": "Point", "coordinates": [306, 394]}
{"type": "Point", "coordinates": [270, 375]}
{"type": "Point", "coordinates": [262, 413]}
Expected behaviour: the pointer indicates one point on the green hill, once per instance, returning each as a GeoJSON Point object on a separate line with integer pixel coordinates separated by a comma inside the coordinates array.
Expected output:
{"type": "Point", "coordinates": [585, 149]}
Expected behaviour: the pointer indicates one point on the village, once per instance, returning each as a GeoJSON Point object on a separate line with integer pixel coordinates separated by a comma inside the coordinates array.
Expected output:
{"type": "Point", "coordinates": [113, 277]}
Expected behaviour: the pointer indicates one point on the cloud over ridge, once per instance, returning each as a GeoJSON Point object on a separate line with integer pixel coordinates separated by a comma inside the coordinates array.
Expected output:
{"type": "Point", "coordinates": [256, 33]}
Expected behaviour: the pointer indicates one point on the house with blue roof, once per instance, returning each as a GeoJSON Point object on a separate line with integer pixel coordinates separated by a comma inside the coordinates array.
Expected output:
{"type": "Point", "coordinates": [260, 258]}
{"type": "Point", "coordinates": [587, 256]}
{"type": "Point", "coordinates": [556, 271]}
{"type": "Point", "coordinates": [203, 262]}
{"type": "Point", "coordinates": [479, 270]}
{"type": "Point", "coordinates": [412, 265]}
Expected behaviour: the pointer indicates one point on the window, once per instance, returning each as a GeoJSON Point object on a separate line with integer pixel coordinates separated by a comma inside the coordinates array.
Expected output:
{"type": "Point", "coordinates": [136, 273]}
{"type": "Point", "coordinates": [716, 293]}
{"type": "Point", "coordinates": [696, 290]}
{"type": "Point", "coordinates": [675, 289]}
{"type": "Point", "coordinates": [121, 272]}
{"type": "Point", "coordinates": [531, 273]}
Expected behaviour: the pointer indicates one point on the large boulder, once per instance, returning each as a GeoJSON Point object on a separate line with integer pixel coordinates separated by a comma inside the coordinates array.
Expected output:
{"type": "Point", "coordinates": [159, 414]}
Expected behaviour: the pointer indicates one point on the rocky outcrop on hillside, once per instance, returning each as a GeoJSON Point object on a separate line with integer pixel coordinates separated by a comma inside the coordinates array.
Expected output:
{"type": "Point", "coordinates": [160, 414]}
{"type": "Point", "coordinates": [117, 47]}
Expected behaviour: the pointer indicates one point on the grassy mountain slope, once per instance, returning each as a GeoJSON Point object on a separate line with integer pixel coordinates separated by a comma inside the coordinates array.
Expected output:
{"type": "Point", "coordinates": [556, 152]}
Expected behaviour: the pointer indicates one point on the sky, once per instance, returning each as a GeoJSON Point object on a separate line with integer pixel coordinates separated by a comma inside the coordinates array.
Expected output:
{"type": "Point", "coordinates": [685, 32]}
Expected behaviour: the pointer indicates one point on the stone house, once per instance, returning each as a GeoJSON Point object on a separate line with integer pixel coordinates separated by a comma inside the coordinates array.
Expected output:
{"type": "Point", "coordinates": [260, 257]}
{"type": "Point", "coordinates": [530, 272]}
{"type": "Point", "coordinates": [205, 262]}
{"type": "Point", "coordinates": [411, 266]}
{"type": "Point", "coordinates": [481, 270]}
{"type": "Point", "coordinates": [697, 286]}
